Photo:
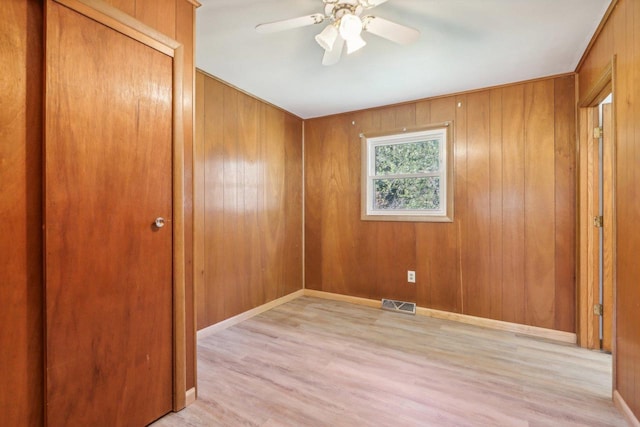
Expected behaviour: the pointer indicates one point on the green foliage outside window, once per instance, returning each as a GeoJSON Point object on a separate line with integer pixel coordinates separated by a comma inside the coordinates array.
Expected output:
{"type": "Point", "coordinates": [410, 193]}
{"type": "Point", "coordinates": [412, 157]}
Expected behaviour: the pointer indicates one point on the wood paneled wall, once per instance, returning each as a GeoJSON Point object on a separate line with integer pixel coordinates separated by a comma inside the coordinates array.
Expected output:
{"type": "Point", "coordinates": [21, 53]}
{"type": "Point", "coordinates": [620, 36]}
{"type": "Point", "coordinates": [21, 333]}
{"type": "Point", "coordinates": [510, 252]}
{"type": "Point", "coordinates": [248, 202]}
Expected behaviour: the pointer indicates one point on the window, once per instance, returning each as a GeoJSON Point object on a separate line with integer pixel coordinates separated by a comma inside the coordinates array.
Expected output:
{"type": "Point", "coordinates": [408, 176]}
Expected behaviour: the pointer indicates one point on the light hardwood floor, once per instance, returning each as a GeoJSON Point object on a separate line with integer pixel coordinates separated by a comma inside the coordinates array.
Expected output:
{"type": "Point", "coordinates": [313, 362]}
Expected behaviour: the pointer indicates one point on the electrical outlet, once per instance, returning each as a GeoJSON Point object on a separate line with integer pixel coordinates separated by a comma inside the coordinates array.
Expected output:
{"type": "Point", "coordinates": [411, 276]}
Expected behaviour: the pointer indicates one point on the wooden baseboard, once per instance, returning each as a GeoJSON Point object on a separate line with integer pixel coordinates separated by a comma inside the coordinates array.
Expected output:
{"type": "Point", "coordinates": [344, 298]}
{"type": "Point", "coordinates": [566, 337]}
{"type": "Point", "coordinates": [622, 406]}
{"type": "Point", "coordinates": [190, 396]}
{"type": "Point", "coordinates": [220, 326]}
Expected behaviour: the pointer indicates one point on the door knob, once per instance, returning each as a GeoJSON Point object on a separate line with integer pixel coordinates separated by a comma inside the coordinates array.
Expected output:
{"type": "Point", "coordinates": [159, 222]}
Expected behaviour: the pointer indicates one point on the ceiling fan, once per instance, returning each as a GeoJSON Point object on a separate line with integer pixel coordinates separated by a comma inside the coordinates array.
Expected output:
{"type": "Point", "coordinates": [345, 27]}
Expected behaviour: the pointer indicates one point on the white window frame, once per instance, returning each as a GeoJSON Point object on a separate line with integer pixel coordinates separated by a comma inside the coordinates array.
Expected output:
{"type": "Point", "coordinates": [441, 132]}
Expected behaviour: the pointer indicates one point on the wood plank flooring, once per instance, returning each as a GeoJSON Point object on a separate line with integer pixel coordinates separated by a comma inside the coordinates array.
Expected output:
{"type": "Point", "coordinates": [313, 362]}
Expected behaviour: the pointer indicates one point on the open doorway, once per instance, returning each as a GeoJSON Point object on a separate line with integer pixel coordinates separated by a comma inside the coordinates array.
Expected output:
{"type": "Point", "coordinates": [596, 221]}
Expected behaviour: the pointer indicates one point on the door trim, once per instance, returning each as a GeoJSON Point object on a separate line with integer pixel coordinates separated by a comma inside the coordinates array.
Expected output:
{"type": "Point", "coordinates": [119, 21]}
{"type": "Point", "coordinates": [605, 84]}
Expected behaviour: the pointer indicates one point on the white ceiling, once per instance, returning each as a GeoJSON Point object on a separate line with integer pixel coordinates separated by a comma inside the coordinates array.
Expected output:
{"type": "Point", "coordinates": [464, 44]}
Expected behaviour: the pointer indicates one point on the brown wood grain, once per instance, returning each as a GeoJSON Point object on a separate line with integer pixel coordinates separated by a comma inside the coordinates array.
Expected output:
{"type": "Point", "coordinates": [513, 293]}
{"type": "Point", "coordinates": [608, 226]}
{"type": "Point", "coordinates": [439, 242]}
{"type": "Point", "coordinates": [250, 198]}
{"type": "Point", "coordinates": [273, 221]}
{"type": "Point", "coordinates": [249, 120]}
{"type": "Point", "coordinates": [21, 334]}
{"type": "Point", "coordinates": [461, 212]}
{"type": "Point", "coordinates": [213, 187]}
{"type": "Point", "coordinates": [620, 36]}
{"type": "Point", "coordinates": [159, 14]}
{"type": "Point", "coordinates": [109, 288]}
{"type": "Point", "coordinates": [565, 203]}
{"type": "Point", "coordinates": [313, 278]}
{"type": "Point", "coordinates": [539, 201]}
{"type": "Point", "coordinates": [582, 279]}
{"type": "Point", "coordinates": [231, 214]}
{"type": "Point", "coordinates": [496, 257]}
{"type": "Point", "coordinates": [592, 241]}
{"type": "Point", "coordinates": [127, 6]}
{"type": "Point", "coordinates": [293, 205]}
{"type": "Point", "coordinates": [476, 229]}
{"type": "Point", "coordinates": [475, 265]}
{"type": "Point", "coordinates": [199, 164]}
{"type": "Point", "coordinates": [184, 33]}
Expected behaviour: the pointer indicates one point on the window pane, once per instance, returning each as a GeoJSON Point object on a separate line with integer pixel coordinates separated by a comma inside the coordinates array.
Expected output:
{"type": "Point", "coordinates": [412, 157]}
{"type": "Point", "coordinates": [407, 194]}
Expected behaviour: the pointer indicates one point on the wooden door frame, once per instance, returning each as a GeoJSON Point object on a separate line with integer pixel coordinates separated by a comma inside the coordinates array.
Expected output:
{"type": "Point", "coordinates": [587, 287]}
{"type": "Point", "coordinates": [119, 21]}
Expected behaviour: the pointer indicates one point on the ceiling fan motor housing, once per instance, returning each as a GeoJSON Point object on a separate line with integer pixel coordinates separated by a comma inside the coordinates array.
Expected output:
{"type": "Point", "coordinates": [337, 9]}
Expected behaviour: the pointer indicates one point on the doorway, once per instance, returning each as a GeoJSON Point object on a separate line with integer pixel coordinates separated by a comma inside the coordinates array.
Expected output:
{"type": "Point", "coordinates": [596, 286]}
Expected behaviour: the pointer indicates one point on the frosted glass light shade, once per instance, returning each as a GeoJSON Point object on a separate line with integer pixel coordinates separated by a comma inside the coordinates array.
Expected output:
{"type": "Point", "coordinates": [355, 43]}
{"type": "Point", "coordinates": [350, 27]}
{"type": "Point", "coordinates": [327, 37]}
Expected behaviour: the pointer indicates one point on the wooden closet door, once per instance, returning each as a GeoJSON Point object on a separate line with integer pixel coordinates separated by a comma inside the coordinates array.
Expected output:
{"type": "Point", "coordinates": [108, 269]}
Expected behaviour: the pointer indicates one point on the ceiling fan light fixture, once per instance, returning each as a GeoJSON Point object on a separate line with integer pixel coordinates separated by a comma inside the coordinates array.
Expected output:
{"type": "Point", "coordinates": [350, 27]}
{"type": "Point", "coordinates": [327, 38]}
{"type": "Point", "coordinates": [355, 43]}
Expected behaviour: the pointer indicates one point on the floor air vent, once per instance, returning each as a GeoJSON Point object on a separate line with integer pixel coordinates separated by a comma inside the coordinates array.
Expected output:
{"type": "Point", "coordinates": [401, 306]}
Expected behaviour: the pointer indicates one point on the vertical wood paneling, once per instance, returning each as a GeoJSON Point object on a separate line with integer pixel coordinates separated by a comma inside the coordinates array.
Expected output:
{"type": "Point", "coordinates": [199, 164]}
{"type": "Point", "coordinates": [461, 203]}
{"type": "Point", "coordinates": [213, 226]}
{"type": "Point", "coordinates": [539, 202]}
{"type": "Point", "coordinates": [313, 218]}
{"type": "Point", "coordinates": [565, 203]}
{"type": "Point", "coordinates": [21, 334]}
{"type": "Point", "coordinates": [293, 205]}
{"type": "Point", "coordinates": [477, 227]}
{"type": "Point", "coordinates": [231, 188]}
{"type": "Point", "coordinates": [273, 229]}
{"type": "Point", "coordinates": [363, 281]}
{"type": "Point", "coordinates": [251, 186]}
{"type": "Point", "coordinates": [425, 266]}
{"type": "Point", "coordinates": [335, 178]}
{"type": "Point", "coordinates": [398, 237]}
{"type": "Point", "coordinates": [513, 126]}
{"type": "Point", "coordinates": [248, 146]}
{"type": "Point", "coordinates": [249, 115]}
{"type": "Point", "coordinates": [439, 242]}
{"type": "Point", "coordinates": [475, 265]}
{"type": "Point", "coordinates": [495, 209]}
{"type": "Point", "coordinates": [158, 14]}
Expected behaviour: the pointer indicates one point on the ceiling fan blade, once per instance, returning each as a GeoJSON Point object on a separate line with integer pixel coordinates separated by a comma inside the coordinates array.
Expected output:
{"type": "Point", "coordinates": [332, 56]}
{"type": "Point", "coordinates": [368, 4]}
{"type": "Point", "coordinates": [389, 30]}
{"type": "Point", "coordinates": [287, 24]}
